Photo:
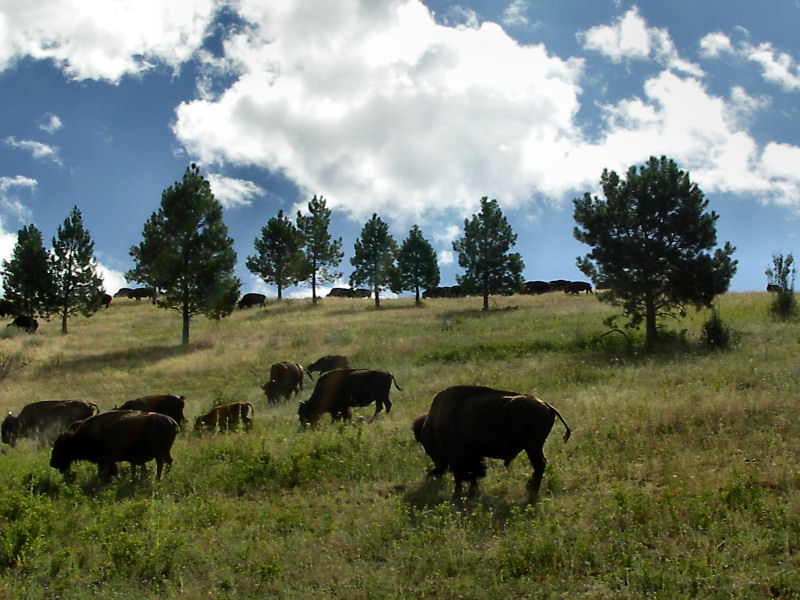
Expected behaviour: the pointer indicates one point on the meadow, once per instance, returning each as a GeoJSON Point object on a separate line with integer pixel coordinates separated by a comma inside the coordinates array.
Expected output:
{"type": "Point", "coordinates": [680, 480]}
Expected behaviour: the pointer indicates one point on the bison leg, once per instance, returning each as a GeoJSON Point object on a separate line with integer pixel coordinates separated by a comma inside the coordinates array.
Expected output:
{"type": "Point", "coordinates": [539, 463]}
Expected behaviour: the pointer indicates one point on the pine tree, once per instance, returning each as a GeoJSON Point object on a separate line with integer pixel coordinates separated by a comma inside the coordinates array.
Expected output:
{"type": "Point", "coordinates": [651, 243]}
{"type": "Point", "coordinates": [484, 253]}
{"type": "Point", "coordinates": [279, 258]}
{"type": "Point", "coordinates": [27, 281]}
{"type": "Point", "coordinates": [417, 266]}
{"type": "Point", "coordinates": [374, 257]}
{"type": "Point", "coordinates": [78, 287]}
{"type": "Point", "coordinates": [322, 255]}
{"type": "Point", "coordinates": [186, 252]}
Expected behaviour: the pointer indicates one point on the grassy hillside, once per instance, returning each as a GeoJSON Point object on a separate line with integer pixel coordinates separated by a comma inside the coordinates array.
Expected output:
{"type": "Point", "coordinates": [681, 478]}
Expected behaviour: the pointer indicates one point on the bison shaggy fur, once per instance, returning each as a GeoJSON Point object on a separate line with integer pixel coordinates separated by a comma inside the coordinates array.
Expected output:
{"type": "Point", "coordinates": [285, 380]}
{"type": "Point", "coordinates": [45, 420]}
{"type": "Point", "coordinates": [466, 424]}
{"type": "Point", "coordinates": [165, 404]}
{"type": "Point", "coordinates": [336, 391]}
{"type": "Point", "coordinates": [225, 417]}
{"type": "Point", "coordinates": [117, 436]}
{"type": "Point", "coordinates": [329, 362]}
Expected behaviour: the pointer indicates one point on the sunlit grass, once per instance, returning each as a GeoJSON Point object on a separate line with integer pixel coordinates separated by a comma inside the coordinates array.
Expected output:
{"type": "Point", "coordinates": [680, 480]}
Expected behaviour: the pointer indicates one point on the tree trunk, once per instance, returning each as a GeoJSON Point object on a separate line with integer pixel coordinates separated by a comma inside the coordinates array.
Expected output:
{"type": "Point", "coordinates": [186, 318]}
{"type": "Point", "coordinates": [314, 288]}
{"type": "Point", "coordinates": [64, 322]}
{"type": "Point", "coordinates": [416, 301]}
{"type": "Point", "coordinates": [485, 302]}
{"type": "Point", "coordinates": [651, 332]}
{"type": "Point", "coordinates": [377, 300]}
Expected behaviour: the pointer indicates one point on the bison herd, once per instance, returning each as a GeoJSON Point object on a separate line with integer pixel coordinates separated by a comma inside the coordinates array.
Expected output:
{"type": "Point", "coordinates": [464, 425]}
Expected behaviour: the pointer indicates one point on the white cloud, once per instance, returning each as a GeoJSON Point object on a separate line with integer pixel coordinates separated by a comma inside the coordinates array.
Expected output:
{"type": "Point", "coordinates": [446, 257]}
{"type": "Point", "coordinates": [113, 280]}
{"type": "Point", "coordinates": [514, 13]}
{"type": "Point", "coordinates": [50, 123]}
{"type": "Point", "coordinates": [38, 150]}
{"type": "Point", "coordinates": [385, 110]}
{"type": "Point", "coordinates": [777, 67]}
{"type": "Point", "coordinates": [714, 44]}
{"type": "Point", "coordinates": [10, 201]}
{"type": "Point", "coordinates": [233, 192]}
{"type": "Point", "coordinates": [629, 38]}
{"type": "Point", "coordinates": [103, 39]}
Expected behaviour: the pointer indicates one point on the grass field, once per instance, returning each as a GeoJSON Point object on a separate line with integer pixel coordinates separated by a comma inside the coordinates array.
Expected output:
{"type": "Point", "coordinates": [680, 480]}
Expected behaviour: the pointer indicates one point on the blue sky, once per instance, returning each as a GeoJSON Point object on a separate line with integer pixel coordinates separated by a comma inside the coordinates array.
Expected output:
{"type": "Point", "coordinates": [413, 110]}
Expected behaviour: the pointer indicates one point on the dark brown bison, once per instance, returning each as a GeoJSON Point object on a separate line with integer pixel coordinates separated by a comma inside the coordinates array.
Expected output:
{"type": "Point", "coordinates": [105, 300]}
{"type": "Point", "coordinates": [225, 417]}
{"type": "Point", "coordinates": [466, 424]}
{"type": "Point", "coordinates": [349, 293]}
{"type": "Point", "coordinates": [143, 292]}
{"type": "Point", "coordinates": [328, 362]}
{"type": "Point", "coordinates": [774, 287]}
{"type": "Point", "coordinates": [115, 436]}
{"type": "Point", "coordinates": [537, 287]}
{"type": "Point", "coordinates": [336, 391]}
{"type": "Point", "coordinates": [25, 322]}
{"type": "Point", "coordinates": [45, 420]}
{"type": "Point", "coordinates": [576, 287]}
{"type": "Point", "coordinates": [252, 299]}
{"type": "Point", "coordinates": [285, 380]}
{"type": "Point", "coordinates": [165, 404]}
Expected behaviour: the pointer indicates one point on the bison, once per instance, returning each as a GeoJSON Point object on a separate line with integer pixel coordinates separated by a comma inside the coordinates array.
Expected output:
{"type": "Point", "coordinates": [576, 287]}
{"type": "Point", "coordinates": [29, 324]}
{"type": "Point", "coordinates": [116, 436]}
{"type": "Point", "coordinates": [252, 299]}
{"type": "Point", "coordinates": [165, 404]}
{"type": "Point", "coordinates": [336, 391]}
{"type": "Point", "coordinates": [537, 287]}
{"type": "Point", "coordinates": [143, 292]}
{"type": "Point", "coordinates": [285, 380]}
{"type": "Point", "coordinates": [466, 424]}
{"type": "Point", "coordinates": [45, 420]}
{"type": "Point", "coordinates": [328, 362]}
{"type": "Point", "coordinates": [225, 417]}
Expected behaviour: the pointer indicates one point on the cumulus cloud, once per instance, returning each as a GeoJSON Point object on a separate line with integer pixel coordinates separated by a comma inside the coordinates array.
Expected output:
{"type": "Point", "coordinates": [233, 192]}
{"type": "Point", "coordinates": [99, 39]}
{"type": "Point", "coordinates": [10, 201]}
{"type": "Point", "coordinates": [50, 123]}
{"type": "Point", "coordinates": [629, 38]}
{"type": "Point", "coordinates": [514, 13]}
{"type": "Point", "coordinates": [714, 44]}
{"type": "Point", "coordinates": [386, 110]}
{"type": "Point", "coordinates": [37, 150]}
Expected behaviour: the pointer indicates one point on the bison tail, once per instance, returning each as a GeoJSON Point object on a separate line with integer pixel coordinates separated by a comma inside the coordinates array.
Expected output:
{"type": "Point", "coordinates": [558, 414]}
{"type": "Point", "coordinates": [95, 408]}
{"type": "Point", "coordinates": [399, 389]}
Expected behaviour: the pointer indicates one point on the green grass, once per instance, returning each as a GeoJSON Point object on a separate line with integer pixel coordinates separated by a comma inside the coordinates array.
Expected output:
{"type": "Point", "coordinates": [680, 480]}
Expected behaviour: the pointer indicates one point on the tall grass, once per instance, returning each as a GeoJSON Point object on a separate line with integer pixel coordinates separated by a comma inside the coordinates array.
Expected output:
{"type": "Point", "coordinates": [681, 477]}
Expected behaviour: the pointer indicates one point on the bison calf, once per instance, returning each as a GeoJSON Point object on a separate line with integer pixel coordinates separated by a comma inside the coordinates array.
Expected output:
{"type": "Point", "coordinates": [225, 417]}
{"type": "Point", "coordinates": [285, 379]}
{"type": "Point", "coordinates": [116, 436]}
{"type": "Point", "coordinates": [466, 424]}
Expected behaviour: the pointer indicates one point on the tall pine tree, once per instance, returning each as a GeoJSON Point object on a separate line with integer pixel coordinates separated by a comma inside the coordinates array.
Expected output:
{"type": "Point", "coordinates": [417, 266]}
{"type": "Point", "coordinates": [186, 252]}
{"type": "Point", "coordinates": [322, 255]}
{"type": "Point", "coordinates": [279, 258]}
{"type": "Point", "coordinates": [78, 287]}
{"type": "Point", "coordinates": [484, 252]}
{"type": "Point", "coordinates": [27, 281]}
{"type": "Point", "coordinates": [374, 257]}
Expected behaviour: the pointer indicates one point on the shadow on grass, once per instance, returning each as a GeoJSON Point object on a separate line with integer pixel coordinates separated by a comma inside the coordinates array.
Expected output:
{"type": "Point", "coordinates": [130, 357]}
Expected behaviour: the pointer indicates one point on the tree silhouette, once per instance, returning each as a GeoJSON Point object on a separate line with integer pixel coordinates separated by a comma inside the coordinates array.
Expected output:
{"type": "Point", "coordinates": [27, 281]}
{"type": "Point", "coordinates": [186, 252]}
{"type": "Point", "coordinates": [279, 258]}
{"type": "Point", "coordinates": [322, 255]}
{"type": "Point", "coordinates": [484, 253]}
{"type": "Point", "coordinates": [374, 257]}
{"type": "Point", "coordinates": [651, 242]}
{"type": "Point", "coordinates": [78, 287]}
{"type": "Point", "coordinates": [417, 266]}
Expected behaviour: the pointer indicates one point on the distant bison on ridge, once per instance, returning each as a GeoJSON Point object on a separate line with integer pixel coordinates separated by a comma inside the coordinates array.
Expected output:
{"type": "Point", "coordinates": [25, 322]}
{"type": "Point", "coordinates": [329, 362]}
{"type": "Point", "coordinates": [466, 424]}
{"type": "Point", "coordinates": [252, 299]}
{"type": "Point", "coordinates": [45, 420]}
{"type": "Point", "coordinates": [117, 436]}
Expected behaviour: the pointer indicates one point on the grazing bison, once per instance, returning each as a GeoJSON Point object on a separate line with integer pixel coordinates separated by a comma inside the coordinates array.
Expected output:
{"type": "Point", "coordinates": [537, 287]}
{"type": "Point", "coordinates": [225, 417]}
{"type": "Point", "coordinates": [115, 436]}
{"type": "Point", "coordinates": [285, 379]}
{"type": "Point", "coordinates": [466, 424]}
{"type": "Point", "coordinates": [25, 322]}
{"type": "Point", "coordinates": [124, 292]}
{"type": "Point", "coordinates": [328, 362]}
{"type": "Point", "coordinates": [252, 299]}
{"type": "Point", "coordinates": [336, 391]}
{"type": "Point", "coordinates": [165, 404]}
{"type": "Point", "coordinates": [349, 293]}
{"type": "Point", "coordinates": [576, 287]}
{"type": "Point", "coordinates": [45, 420]}
{"type": "Point", "coordinates": [558, 285]}
{"type": "Point", "coordinates": [105, 300]}
{"type": "Point", "coordinates": [143, 292]}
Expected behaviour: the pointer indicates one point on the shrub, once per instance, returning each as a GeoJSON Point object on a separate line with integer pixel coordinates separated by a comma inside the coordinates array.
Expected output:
{"type": "Point", "coordinates": [716, 333]}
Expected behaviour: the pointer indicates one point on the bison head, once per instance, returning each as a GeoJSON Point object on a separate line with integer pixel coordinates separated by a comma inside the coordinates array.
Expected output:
{"type": "Point", "coordinates": [9, 429]}
{"type": "Point", "coordinates": [306, 412]}
{"type": "Point", "coordinates": [61, 457]}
